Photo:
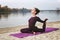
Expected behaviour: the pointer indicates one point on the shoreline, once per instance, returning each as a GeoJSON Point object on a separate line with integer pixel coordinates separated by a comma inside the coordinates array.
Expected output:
{"type": "Point", "coordinates": [17, 28]}
{"type": "Point", "coordinates": [26, 25]}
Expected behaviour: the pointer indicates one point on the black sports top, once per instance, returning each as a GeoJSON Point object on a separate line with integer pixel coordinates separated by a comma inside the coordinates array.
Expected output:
{"type": "Point", "coordinates": [33, 20]}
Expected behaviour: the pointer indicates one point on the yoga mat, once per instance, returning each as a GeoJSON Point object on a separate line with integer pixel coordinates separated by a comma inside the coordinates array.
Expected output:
{"type": "Point", "coordinates": [22, 35]}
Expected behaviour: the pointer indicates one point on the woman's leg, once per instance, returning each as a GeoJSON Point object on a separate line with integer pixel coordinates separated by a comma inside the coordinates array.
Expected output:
{"type": "Point", "coordinates": [35, 29]}
{"type": "Point", "coordinates": [25, 30]}
{"type": "Point", "coordinates": [41, 30]}
{"type": "Point", "coordinates": [44, 26]}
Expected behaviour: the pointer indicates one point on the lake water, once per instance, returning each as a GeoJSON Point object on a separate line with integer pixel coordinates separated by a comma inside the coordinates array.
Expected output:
{"type": "Point", "coordinates": [15, 19]}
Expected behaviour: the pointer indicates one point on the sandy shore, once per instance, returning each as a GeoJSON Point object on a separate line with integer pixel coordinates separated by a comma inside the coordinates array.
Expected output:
{"type": "Point", "coordinates": [55, 35]}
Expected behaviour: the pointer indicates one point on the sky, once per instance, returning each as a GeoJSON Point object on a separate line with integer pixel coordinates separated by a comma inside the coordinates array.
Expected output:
{"type": "Point", "coordinates": [41, 4]}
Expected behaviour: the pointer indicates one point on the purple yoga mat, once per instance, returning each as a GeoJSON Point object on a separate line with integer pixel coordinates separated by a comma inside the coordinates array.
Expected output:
{"type": "Point", "coordinates": [22, 35]}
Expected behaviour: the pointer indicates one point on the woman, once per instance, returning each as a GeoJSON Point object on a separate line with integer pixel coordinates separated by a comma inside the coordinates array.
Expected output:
{"type": "Point", "coordinates": [32, 21]}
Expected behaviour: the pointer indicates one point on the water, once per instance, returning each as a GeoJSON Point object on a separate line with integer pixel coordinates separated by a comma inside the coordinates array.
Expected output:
{"type": "Point", "coordinates": [15, 19]}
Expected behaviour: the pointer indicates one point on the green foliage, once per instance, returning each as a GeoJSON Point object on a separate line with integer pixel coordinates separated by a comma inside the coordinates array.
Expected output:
{"type": "Point", "coordinates": [4, 10]}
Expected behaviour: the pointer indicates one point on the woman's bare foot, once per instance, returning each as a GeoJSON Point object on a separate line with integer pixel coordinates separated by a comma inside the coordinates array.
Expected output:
{"type": "Point", "coordinates": [34, 33]}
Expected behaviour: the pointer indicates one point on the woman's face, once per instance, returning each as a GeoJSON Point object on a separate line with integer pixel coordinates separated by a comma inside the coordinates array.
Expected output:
{"type": "Point", "coordinates": [33, 11]}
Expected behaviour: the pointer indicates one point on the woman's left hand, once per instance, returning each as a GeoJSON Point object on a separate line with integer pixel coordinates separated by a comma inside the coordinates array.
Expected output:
{"type": "Point", "coordinates": [46, 19]}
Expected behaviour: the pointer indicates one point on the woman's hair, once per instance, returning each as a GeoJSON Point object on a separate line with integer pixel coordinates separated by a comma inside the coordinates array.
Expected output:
{"type": "Point", "coordinates": [37, 10]}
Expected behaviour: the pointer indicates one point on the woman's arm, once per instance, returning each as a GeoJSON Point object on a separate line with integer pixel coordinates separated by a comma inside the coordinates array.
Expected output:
{"type": "Point", "coordinates": [38, 19]}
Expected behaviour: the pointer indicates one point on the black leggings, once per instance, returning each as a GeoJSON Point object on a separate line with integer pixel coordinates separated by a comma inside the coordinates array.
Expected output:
{"type": "Point", "coordinates": [35, 29]}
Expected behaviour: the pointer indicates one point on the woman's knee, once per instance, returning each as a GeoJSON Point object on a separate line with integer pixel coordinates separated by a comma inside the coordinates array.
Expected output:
{"type": "Point", "coordinates": [21, 30]}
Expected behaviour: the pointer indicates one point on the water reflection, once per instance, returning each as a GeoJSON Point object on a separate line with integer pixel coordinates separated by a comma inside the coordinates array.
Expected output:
{"type": "Point", "coordinates": [6, 15]}
{"type": "Point", "coordinates": [58, 12]}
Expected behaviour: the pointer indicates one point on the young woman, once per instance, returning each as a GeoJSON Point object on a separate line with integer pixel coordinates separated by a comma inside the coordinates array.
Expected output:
{"type": "Point", "coordinates": [32, 21]}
